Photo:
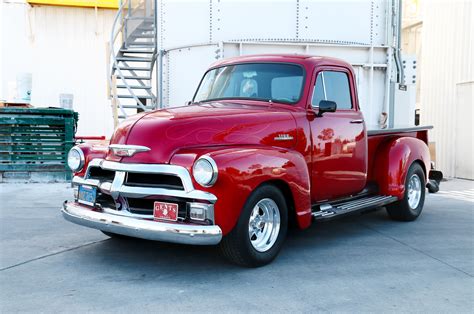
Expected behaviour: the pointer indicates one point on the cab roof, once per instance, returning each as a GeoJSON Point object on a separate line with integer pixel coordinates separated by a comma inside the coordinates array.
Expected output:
{"type": "Point", "coordinates": [284, 58]}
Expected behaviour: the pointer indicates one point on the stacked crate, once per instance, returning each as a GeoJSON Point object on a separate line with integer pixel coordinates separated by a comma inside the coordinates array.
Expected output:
{"type": "Point", "coordinates": [34, 143]}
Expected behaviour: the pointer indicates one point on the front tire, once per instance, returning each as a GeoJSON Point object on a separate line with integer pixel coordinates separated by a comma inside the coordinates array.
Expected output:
{"type": "Point", "coordinates": [260, 231]}
{"type": "Point", "coordinates": [410, 207]}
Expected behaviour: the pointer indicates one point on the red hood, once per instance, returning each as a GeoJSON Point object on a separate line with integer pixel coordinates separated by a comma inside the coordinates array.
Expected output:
{"type": "Point", "coordinates": [210, 124]}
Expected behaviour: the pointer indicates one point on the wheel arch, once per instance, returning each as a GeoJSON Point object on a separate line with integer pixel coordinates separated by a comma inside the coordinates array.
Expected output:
{"type": "Point", "coordinates": [284, 188]}
{"type": "Point", "coordinates": [423, 166]}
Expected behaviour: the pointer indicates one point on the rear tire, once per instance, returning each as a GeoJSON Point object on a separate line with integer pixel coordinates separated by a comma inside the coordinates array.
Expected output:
{"type": "Point", "coordinates": [260, 231]}
{"type": "Point", "coordinates": [411, 206]}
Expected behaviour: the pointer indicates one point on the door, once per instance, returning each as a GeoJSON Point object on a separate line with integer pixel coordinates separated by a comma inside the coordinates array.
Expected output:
{"type": "Point", "coordinates": [339, 140]}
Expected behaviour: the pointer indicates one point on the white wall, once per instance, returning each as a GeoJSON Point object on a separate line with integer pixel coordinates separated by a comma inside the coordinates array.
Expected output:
{"type": "Point", "coordinates": [447, 54]}
{"type": "Point", "coordinates": [64, 49]}
{"type": "Point", "coordinates": [464, 148]}
{"type": "Point", "coordinates": [345, 29]}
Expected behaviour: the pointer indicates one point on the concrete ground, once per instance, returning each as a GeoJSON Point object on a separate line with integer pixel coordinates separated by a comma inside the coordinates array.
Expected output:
{"type": "Point", "coordinates": [359, 264]}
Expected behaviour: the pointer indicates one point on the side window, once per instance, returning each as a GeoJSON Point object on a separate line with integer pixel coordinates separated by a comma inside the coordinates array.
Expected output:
{"type": "Point", "coordinates": [318, 93]}
{"type": "Point", "coordinates": [335, 87]}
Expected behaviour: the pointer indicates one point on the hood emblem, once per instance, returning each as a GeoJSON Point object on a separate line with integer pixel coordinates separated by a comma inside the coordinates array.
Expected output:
{"type": "Point", "coordinates": [127, 150]}
{"type": "Point", "coordinates": [283, 137]}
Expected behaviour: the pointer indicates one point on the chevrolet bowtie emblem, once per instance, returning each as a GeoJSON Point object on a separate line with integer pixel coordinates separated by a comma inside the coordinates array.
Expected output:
{"type": "Point", "coordinates": [283, 137]}
{"type": "Point", "coordinates": [127, 150]}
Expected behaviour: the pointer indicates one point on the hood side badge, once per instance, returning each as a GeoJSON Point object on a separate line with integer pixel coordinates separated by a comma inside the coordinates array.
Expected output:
{"type": "Point", "coordinates": [127, 150]}
{"type": "Point", "coordinates": [283, 137]}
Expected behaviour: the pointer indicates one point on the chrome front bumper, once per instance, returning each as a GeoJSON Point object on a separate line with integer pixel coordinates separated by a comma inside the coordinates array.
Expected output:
{"type": "Point", "coordinates": [141, 228]}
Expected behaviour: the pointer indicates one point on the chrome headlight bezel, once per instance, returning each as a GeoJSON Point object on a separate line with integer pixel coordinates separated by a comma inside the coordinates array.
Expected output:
{"type": "Point", "coordinates": [75, 163]}
{"type": "Point", "coordinates": [205, 177]}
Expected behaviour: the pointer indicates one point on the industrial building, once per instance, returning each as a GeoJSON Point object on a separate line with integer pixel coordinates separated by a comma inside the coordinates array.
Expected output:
{"type": "Point", "coordinates": [64, 46]}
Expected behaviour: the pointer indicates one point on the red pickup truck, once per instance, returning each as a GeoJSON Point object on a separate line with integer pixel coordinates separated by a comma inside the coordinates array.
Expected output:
{"type": "Point", "coordinates": [267, 142]}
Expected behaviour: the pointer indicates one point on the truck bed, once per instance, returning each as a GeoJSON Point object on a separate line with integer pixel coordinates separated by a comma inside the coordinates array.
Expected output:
{"type": "Point", "coordinates": [377, 136]}
{"type": "Point", "coordinates": [408, 129]}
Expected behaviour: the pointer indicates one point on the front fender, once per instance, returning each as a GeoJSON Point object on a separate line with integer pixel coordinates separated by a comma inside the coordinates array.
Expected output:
{"type": "Point", "coordinates": [91, 150]}
{"type": "Point", "coordinates": [243, 169]}
{"type": "Point", "coordinates": [394, 158]}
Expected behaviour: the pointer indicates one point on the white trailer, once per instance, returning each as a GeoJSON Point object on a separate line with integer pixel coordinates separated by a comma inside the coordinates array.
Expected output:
{"type": "Point", "coordinates": [191, 35]}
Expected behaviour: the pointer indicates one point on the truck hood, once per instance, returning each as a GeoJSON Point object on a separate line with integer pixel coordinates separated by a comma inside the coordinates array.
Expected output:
{"type": "Point", "coordinates": [203, 125]}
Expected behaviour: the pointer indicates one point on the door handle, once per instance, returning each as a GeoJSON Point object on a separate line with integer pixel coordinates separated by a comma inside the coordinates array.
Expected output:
{"type": "Point", "coordinates": [358, 121]}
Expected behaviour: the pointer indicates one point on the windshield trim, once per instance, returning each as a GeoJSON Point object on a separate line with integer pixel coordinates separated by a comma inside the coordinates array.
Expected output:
{"type": "Point", "coordinates": [249, 98]}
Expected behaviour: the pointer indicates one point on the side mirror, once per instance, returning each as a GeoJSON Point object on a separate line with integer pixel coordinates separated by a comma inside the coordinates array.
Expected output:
{"type": "Point", "coordinates": [326, 106]}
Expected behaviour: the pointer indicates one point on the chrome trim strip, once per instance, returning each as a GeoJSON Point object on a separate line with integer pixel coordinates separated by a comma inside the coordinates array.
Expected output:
{"type": "Point", "coordinates": [150, 168]}
{"type": "Point", "coordinates": [80, 180]}
{"type": "Point", "coordinates": [140, 228]}
{"type": "Point", "coordinates": [106, 187]}
{"type": "Point", "coordinates": [118, 186]}
{"type": "Point", "coordinates": [140, 192]}
{"type": "Point", "coordinates": [125, 213]}
{"type": "Point", "coordinates": [131, 149]}
{"type": "Point", "coordinates": [138, 148]}
{"type": "Point", "coordinates": [283, 137]}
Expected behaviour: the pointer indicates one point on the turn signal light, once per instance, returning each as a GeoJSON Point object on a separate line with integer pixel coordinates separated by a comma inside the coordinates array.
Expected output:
{"type": "Point", "coordinates": [201, 211]}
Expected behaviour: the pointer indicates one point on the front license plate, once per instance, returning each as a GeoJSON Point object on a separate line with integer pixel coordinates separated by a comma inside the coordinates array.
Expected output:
{"type": "Point", "coordinates": [165, 211]}
{"type": "Point", "coordinates": [87, 195]}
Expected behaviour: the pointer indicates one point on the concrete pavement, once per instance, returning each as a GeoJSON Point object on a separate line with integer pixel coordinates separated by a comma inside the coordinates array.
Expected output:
{"type": "Point", "coordinates": [364, 263]}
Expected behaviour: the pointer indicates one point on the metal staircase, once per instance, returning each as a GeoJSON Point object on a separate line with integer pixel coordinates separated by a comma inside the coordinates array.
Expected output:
{"type": "Point", "coordinates": [132, 55]}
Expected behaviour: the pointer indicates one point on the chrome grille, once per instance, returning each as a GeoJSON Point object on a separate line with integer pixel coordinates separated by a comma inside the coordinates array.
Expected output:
{"type": "Point", "coordinates": [100, 174]}
{"type": "Point", "coordinates": [133, 188]}
{"type": "Point", "coordinates": [157, 180]}
{"type": "Point", "coordinates": [138, 179]}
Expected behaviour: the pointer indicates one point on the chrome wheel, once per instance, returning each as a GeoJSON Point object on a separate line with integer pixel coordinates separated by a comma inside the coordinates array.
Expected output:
{"type": "Point", "coordinates": [414, 191]}
{"type": "Point", "coordinates": [264, 225]}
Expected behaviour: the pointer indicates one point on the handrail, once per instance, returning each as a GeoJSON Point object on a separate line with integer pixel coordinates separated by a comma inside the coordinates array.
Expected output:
{"type": "Point", "coordinates": [113, 56]}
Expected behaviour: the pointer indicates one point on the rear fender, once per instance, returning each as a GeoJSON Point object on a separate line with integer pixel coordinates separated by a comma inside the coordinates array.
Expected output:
{"type": "Point", "coordinates": [242, 169]}
{"type": "Point", "coordinates": [394, 158]}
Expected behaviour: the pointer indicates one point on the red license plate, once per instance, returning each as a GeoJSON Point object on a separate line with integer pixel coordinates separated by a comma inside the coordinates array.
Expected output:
{"type": "Point", "coordinates": [165, 211]}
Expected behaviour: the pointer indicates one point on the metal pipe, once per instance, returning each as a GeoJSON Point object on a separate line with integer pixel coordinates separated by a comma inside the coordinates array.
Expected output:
{"type": "Point", "coordinates": [159, 67]}
{"type": "Point", "coordinates": [371, 78]}
{"type": "Point", "coordinates": [398, 58]}
{"type": "Point", "coordinates": [399, 37]}
{"type": "Point", "coordinates": [280, 43]}
{"type": "Point", "coordinates": [160, 78]}
{"type": "Point", "coordinates": [388, 95]}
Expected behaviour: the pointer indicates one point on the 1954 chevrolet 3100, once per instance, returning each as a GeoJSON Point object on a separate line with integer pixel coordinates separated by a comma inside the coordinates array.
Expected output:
{"type": "Point", "coordinates": [268, 141]}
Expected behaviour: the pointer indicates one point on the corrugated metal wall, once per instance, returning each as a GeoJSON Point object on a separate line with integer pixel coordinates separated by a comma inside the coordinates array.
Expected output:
{"type": "Point", "coordinates": [65, 50]}
{"type": "Point", "coordinates": [448, 60]}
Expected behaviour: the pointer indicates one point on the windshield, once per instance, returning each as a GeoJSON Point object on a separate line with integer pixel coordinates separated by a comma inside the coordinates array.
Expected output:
{"type": "Point", "coordinates": [260, 81]}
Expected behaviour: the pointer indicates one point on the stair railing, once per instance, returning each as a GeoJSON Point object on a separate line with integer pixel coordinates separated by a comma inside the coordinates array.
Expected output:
{"type": "Point", "coordinates": [119, 28]}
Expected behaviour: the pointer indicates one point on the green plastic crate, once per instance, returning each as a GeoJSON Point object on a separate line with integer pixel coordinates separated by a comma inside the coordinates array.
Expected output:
{"type": "Point", "coordinates": [36, 139]}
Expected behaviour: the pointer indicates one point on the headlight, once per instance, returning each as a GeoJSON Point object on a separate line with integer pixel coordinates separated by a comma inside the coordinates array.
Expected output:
{"type": "Point", "coordinates": [205, 171]}
{"type": "Point", "coordinates": [75, 159]}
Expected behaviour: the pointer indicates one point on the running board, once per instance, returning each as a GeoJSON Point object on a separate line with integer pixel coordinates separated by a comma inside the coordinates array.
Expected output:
{"type": "Point", "coordinates": [329, 211]}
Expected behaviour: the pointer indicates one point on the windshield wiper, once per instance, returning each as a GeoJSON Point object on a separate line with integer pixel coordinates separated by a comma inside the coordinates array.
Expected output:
{"type": "Point", "coordinates": [281, 101]}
